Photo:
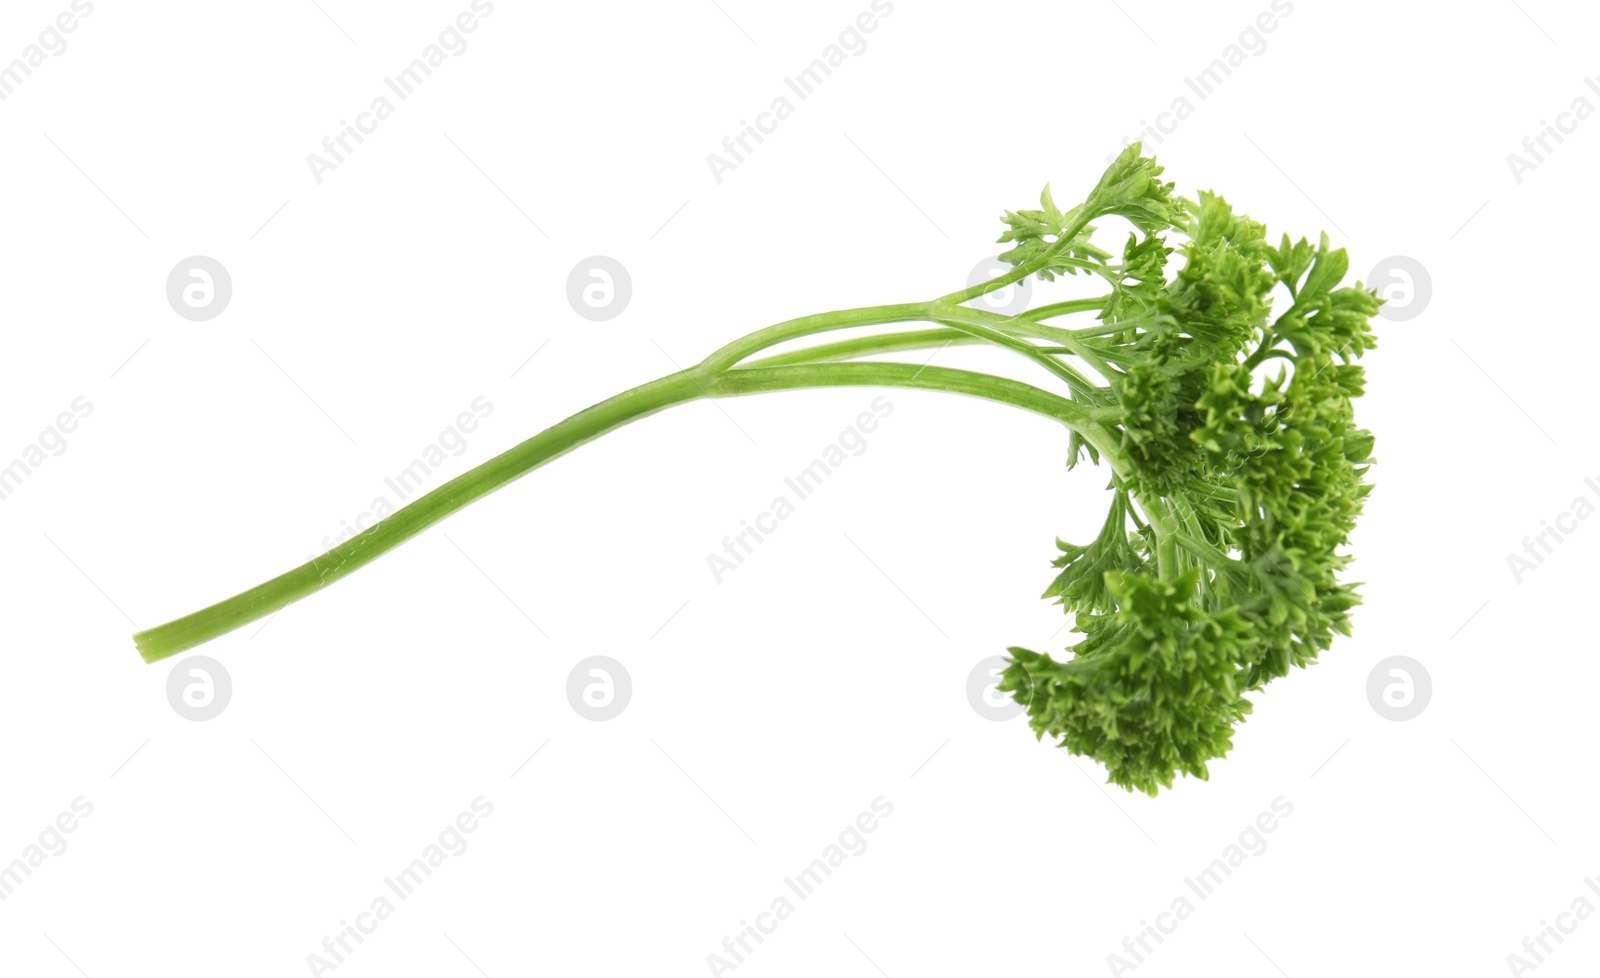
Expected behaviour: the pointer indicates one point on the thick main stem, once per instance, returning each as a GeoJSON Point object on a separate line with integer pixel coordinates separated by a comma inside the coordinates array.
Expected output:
{"type": "Point", "coordinates": [264, 599]}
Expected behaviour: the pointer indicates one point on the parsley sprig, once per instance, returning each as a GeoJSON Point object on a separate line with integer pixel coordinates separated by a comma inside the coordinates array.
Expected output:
{"type": "Point", "coordinates": [1236, 468]}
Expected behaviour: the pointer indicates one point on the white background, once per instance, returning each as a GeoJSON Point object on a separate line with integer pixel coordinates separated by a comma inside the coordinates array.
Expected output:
{"type": "Point", "coordinates": [769, 710]}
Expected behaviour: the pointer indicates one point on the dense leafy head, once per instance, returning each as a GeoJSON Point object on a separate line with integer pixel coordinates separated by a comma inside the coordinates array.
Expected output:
{"type": "Point", "coordinates": [1237, 474]}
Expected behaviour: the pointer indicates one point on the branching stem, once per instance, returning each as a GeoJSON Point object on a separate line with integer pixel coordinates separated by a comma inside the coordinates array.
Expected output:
{"type": "Point", "coordinates": [720, 375]}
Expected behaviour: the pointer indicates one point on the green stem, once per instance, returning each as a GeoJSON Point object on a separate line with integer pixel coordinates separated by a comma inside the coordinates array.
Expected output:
{"type": "Point", "coordinates": [753, 380]}
{"type": "Point", "coordinates": [718, 375]}
{"type": "Point", "coordinates": [1168, 558]}
{"type": "Point", "coordinates": [1027, 327]}
{"type": "Point", "coordinates": [1078, 383]}
{"type": "Point", "coordinates": [208, 623]}
{"type": "Point", "coordinates": [1111, 328]}
{"type": "Point", "coordinates": [264, 599]}
{"type": "Point", "coordinates": [1069, 306]}
{"type": "Point", "coordinates": [861, 346]}
{"type": "Point", "coordinates": [823, 322]}
{"type": "Point", "coordinates": [1080, 220]}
